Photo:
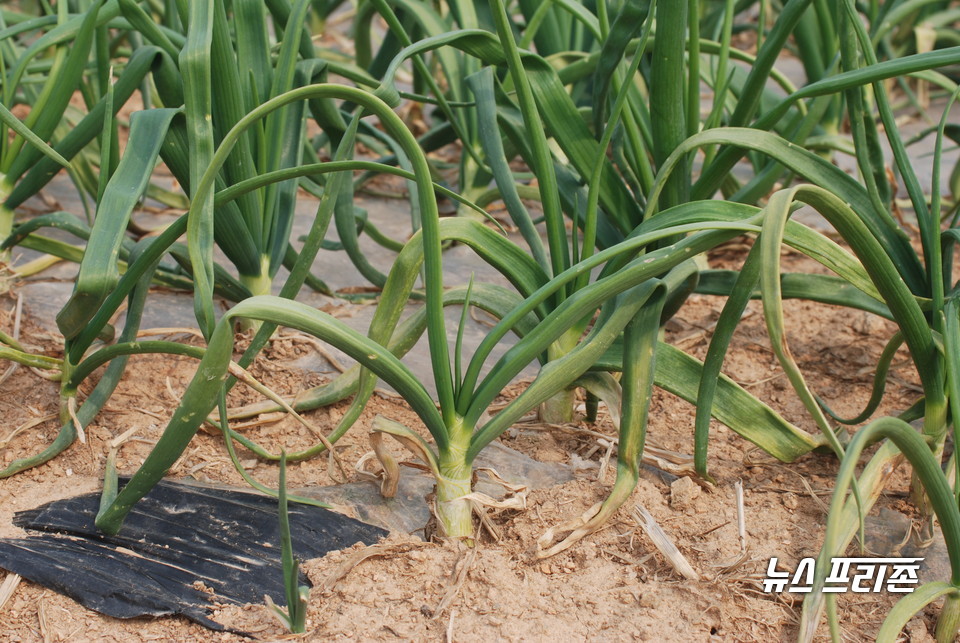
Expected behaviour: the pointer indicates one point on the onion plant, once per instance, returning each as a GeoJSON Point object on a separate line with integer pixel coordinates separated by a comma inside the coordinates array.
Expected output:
{"type": "Point", "coordinates": [632, 296]}
{"type": "Point", "coordinates": [613, 156]}
{"type": "Point", "coordinates": [253, 220]}
{"type": "Point", "coordinates": [227, 69]}
{"type": "Point", "coordinates": [542, 101]}
{"type": "Point", "coordinates": [410, 22]}
{"type": "Point", "coordinates": [612, 209]}
{"type": "Point", "coordinates": [560, 251]}
{"type": "Point", "coordinates": [914, 289]}
{"type": "Point", "coordinates": [453, 430]}
{"type": "Point", "coordinates": [101, 290]}
{"type": "Point", "coordinates": [295, 616]}
{"type": "Point", "coordinates": [88, 50]}
{"type": "Point", "coordinates": [217, 71]}
{"type": "Point", "coordinates": [463, 400]}
{"type": "Point", "coordinates": [23, 144]}
{"type": "Point", "coordinates": [598, 170]}
{"type": "Point", "coordinates": [625, 298]}
{"type": "Point", "coordinates": [561, 295]}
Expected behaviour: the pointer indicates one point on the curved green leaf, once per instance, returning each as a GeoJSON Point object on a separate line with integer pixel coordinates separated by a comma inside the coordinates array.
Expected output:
{"type": "Point", "coordinates": [99, 271]}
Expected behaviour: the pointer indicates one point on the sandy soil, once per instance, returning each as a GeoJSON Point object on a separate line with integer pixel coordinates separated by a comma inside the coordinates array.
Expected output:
{"type": "Point", "coordinates": [613, 585]}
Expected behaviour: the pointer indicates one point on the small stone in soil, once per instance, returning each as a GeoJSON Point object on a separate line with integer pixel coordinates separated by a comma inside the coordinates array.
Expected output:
{"type": "Point", "coordinates": [683, 492]}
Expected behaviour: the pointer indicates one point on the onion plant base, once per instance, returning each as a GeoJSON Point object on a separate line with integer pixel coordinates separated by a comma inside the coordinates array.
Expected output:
{"type": "Point", "coordinates": [257, 285]}
{"type": "Point", "coordinates": [948, 625]}
{"type": "Point", "coordinates": [558, 409]}
{"type": "Point", "coordinates": [454, 510]}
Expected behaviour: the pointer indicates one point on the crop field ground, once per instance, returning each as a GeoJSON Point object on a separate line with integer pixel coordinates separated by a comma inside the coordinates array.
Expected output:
{"type": "Point", "coordinates": [577, 267]}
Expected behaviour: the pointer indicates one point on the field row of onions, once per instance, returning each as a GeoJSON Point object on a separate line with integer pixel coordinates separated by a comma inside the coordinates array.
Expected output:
{"type": "Point", "coordinates": [623, 139]}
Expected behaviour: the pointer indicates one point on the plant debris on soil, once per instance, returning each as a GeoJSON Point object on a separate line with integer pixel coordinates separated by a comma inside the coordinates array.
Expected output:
{"type": "Point", "coordinates": [613, 585]}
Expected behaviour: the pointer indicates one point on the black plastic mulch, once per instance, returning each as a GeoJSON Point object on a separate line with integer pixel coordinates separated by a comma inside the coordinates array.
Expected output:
{"type": "Point", "coordinates": [177, 535]}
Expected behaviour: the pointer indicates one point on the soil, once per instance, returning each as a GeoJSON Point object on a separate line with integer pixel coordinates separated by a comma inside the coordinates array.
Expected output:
{"type": "Point", "coordinates": [612, 585]}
